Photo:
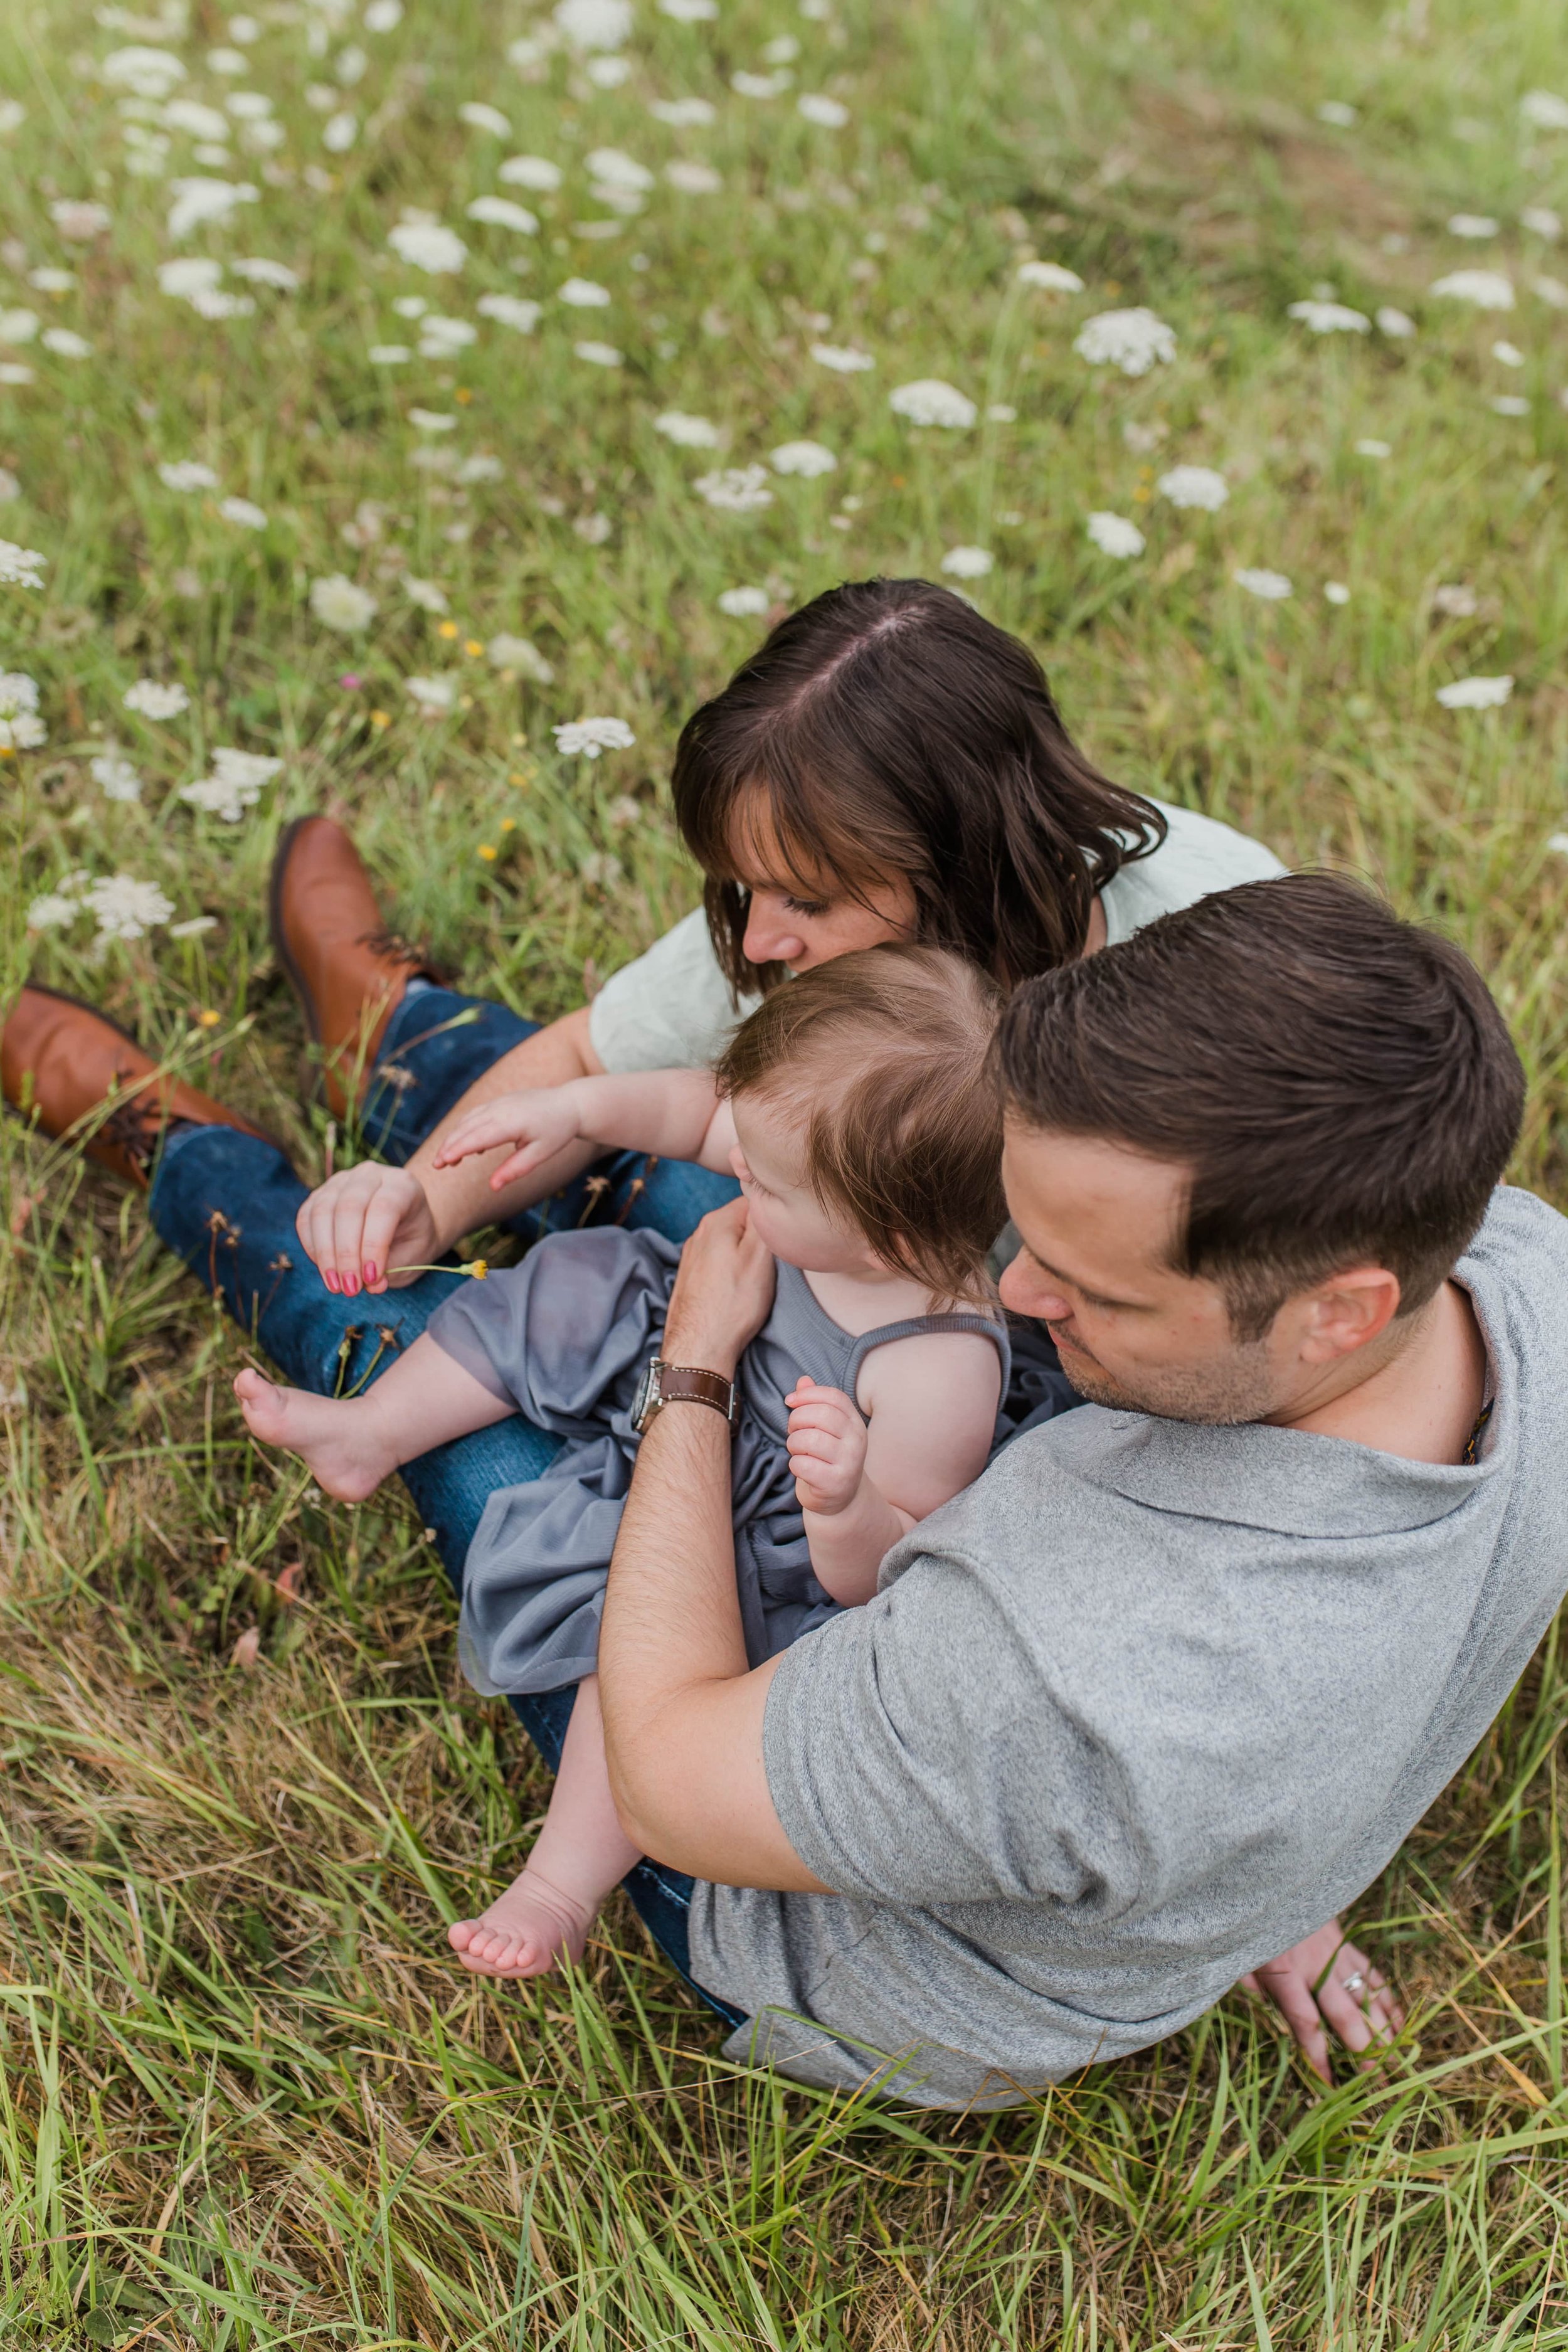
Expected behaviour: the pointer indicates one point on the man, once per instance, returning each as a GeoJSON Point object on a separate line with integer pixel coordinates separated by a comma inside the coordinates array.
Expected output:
{"type": "Point", "coordinates": [1170, 1683]}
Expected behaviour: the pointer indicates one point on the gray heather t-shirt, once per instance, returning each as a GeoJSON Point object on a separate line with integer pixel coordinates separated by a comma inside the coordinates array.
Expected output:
{"type": "Point", "coordinates": [1139, 1709]}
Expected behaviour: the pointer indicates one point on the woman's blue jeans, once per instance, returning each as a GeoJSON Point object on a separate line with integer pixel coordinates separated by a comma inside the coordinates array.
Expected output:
{"type": "Point", "coordinates": [227, 1202]}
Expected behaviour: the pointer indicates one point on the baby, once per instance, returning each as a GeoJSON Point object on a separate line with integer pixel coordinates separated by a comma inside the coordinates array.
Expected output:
{"type": "Point", "coordinates": [855, 1109]}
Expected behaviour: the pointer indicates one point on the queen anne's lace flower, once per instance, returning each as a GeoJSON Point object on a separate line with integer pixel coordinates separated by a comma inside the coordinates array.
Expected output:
{"type": "Point", "coordinates": [756, 85]}
{"type": "Point", "coordinates": [1336, 592]}
{"type": "Point", "coordinates": [1051, 277]}
{"type": "Point", "coordinates": [582, 294]}
{"type": "Point", "coordinates": [593, 23]}
{"type": "Point", "coordinates": [500, 212]}
{"type": "Point", "coordinates": [589, 737]}
{"type": "Point", "coordinates": [1330, 318]}
{"type": "Point", "coordinates": [930, 401]}
{"type": "Point", "coordinates": [531, 171]}
{"type": "Point", "coordinates": [686, 432]}
{"type": "Point", "coordinates": [244, 511]}
{"type": "Point", "coordinates": [150, 699]}
{"type": "Point", "coordinates": [1193, 486]}
{"type": "Point", "coordinates": [1488, 290]}
{"type": "Point", "coordinates": [1272, 586]}
{"type": "Point", "coordinates": [1114, 535]}
{"type": "Point", "coordinates": [199, 201]}
{"type": "Point", "coordinates": [1475, 225]}
{"type": "Point", "coordinates": [1396, 324]}
{"type": "Point", "coordinates": [693, 179]}
{"type": "Point", "coordinates": [745, 603]}
{"type": "Point", "coordinates": [613, 168]}
{"type": "Point", "coordinates": [684, 114]}
{"type": "Point", "coordinates": [21, 728]}
{"type": "Point", "coordinates": [126, 908]}
{"type": "Point", "coordinates": [967, 562]}
{"type": "Point", "coordinates": [509, 310]}
{"type": "Point", "coordinates": [235, 784]}
{"type": "Point", "coordinates": [338, 603]}
{"type": "Point", "coordinates": [441, 337]}
{"type": "Point", "coordinates": [187, 474]}
{"type": "Point", "coordinates": [19, 326]}
{"type": "Point", "coordinates": [429, 595]}
{"type": "Point", "coordinates": [433, 696]}
{"type": "Point", "coordinates": [519, 654]}
{"type": "Point", "coordinates": [427, 246]}
{"type": "Point", "coordinates": [145, 72]}
{"type": "Point", "coordinates": [78, 222]}
{"type": "Point", "coordinates": [842, 358]}
{"type": "Point", "coordinates": [736, 489]}
{"type": "Point", "coordinates": [828, 113]}
{"type": "Point", "coordinates": [115, 777]}
{"type": "Point", "coordinates": [1133, 340]}
{"type": "Point", "coordinates": [1476, 693]}
{"type": "Point", "coordinates": [262, 272]}
{"type": "Point", "coordinates": [480, 117]}
{"type": "Point", "coordinates": [1545, 110]}
{"type": "Point", "coordinates": [52, 912]}
{"type": "Point", "coordinates": [66, 343]}
{"type": "Point", "coordinates": [807, 458]}
{"type": "Point", "coordinates": [598, 354]}
{"type": "Point", "coordinates": [689, 12]}
{"type": "Point", "coordinates": [20, 567]}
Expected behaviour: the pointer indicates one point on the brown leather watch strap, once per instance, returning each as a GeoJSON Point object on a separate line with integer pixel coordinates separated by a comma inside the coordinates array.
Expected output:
{"type": "Point", "coordinates": [689, 1384]}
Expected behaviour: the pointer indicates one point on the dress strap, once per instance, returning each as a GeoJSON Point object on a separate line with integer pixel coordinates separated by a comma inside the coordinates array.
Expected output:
{"type": "Point", "coordinates": [915, 1328]}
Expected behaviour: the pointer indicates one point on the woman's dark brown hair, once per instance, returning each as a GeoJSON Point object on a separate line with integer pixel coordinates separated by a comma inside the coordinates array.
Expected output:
{"type": "Point", "coordinates": [887, 1053]}
{"type": "Point", "coordinates": [887, 729]}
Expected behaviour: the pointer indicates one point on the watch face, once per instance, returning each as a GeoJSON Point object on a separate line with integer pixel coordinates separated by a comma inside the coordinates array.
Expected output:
{"type": "Point", "coordinates": [647, 1396]}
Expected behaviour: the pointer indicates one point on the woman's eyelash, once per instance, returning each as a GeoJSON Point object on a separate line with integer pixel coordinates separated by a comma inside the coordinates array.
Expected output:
{"type": "Point", "coordinates": [812, 906]}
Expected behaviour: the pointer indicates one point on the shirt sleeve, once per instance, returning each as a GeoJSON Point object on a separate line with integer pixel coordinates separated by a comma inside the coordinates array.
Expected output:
{"type": "Point", "coordinates": [916, 1754]}
{"type": "Point", "coordinates": [669, 1010]}
{"type": "Point", "coordinates": [1198, 856]}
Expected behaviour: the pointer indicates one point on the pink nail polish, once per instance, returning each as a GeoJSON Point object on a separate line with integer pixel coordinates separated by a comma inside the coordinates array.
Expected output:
{"type": "Point", "coordinates": [370, 1273]}
{"type": "Point", "coordinates": [351, 1286]}
{"type": "Point", "coordinates": [332, 1282]}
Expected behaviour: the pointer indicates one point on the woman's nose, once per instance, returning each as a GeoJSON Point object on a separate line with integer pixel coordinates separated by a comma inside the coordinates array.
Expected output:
{"type": "Point", "coordinates": [771, 941]}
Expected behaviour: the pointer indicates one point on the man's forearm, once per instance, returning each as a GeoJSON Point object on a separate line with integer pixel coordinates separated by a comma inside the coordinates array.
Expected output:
{"type": "Point", "coordinates": [461, 1197]}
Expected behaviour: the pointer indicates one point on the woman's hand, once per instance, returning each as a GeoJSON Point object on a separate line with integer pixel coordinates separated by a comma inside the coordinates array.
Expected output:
{"type": "Point", "coordinates": [541, 1120]}
{"type": "Point", "coordinates": [1323, 1982]}
{"type": "Point", "coordinates": [826, 1447]}
{"type": "Point", "coordinates": [723, 1292]}
{"type": "Point", "coordinates": [361, 1227]}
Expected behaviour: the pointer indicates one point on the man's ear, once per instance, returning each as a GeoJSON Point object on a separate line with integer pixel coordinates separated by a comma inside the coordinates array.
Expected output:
{"type": "Point", "coordinates": [1348, 1311]}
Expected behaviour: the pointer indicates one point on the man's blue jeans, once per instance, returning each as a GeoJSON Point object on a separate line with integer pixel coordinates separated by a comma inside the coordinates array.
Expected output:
{"type": "Point", "coordinates": [227, 1202]}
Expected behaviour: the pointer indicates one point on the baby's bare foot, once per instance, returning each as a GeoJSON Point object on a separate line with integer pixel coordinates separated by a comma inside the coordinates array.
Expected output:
{"type": "Point", "coordinates": [525, 1931]}
{"type": "Point", "coordinates": [328, 1433]}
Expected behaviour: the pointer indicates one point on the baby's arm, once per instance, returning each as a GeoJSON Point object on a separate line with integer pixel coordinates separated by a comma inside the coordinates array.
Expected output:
{"type": "Point", "coordinates": [675, 1113]}
{"type": "Point", "coordinates": [931, 1402]}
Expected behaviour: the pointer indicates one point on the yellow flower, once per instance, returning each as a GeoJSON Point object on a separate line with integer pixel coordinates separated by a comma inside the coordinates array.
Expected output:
{"type": "Point", "coordinates": [472, 648]}
{"type": "Point", "coordinates": [487, 852]}
{"type": "Point", "coordinates": [381, 719]}
{"type": "Point", "coordinates": [208, 1020]}
{"type": "Point", "coordinates": [448, 629]}
{"type": "Point", "coordinates": [508, 824]}
{"type": "Point", "coordinates": [462, 395]}
{"type": "Point", "coordinates": [478, 1266]}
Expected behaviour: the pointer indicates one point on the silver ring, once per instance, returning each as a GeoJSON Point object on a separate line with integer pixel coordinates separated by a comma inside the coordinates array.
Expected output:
{"type": "Point", "coordinates": [1354, 1983]}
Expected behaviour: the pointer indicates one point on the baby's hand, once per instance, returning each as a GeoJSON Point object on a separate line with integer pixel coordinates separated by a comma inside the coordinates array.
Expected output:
{"type": "Point", "coordinates": [826, 1447]}
{"type": "Point", "coordinates": [541, 1120]}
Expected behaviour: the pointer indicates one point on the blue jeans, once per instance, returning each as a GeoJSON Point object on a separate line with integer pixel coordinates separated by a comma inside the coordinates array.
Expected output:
{"type": "Point", "coordinates": [227, 1202]}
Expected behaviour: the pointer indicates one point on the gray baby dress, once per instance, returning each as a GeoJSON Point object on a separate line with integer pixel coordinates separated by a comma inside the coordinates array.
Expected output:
{"type": "Point", "coordinates": [564, 1337]}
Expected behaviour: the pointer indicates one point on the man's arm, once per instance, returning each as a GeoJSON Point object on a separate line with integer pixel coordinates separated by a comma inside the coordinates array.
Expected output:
{"type": "Point", "coordinates": [683, 1715]}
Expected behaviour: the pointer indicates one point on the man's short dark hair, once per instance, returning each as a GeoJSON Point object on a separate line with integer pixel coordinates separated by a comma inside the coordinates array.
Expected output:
{"type": "Point", "coordinates": [1340, 1083]}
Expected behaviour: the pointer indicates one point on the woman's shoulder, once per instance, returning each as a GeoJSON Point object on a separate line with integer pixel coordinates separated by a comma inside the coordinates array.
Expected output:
{"type": "Point", "coordinates": [670, 1008]}
{"type": "Point", "coordinates": [1198, 855]}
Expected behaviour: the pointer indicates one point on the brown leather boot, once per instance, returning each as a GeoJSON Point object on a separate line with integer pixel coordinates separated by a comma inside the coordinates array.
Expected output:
{"type": "Point", "coordinates": [68, 1064]}
{"type": "Point", "coordinates": [348, 970]}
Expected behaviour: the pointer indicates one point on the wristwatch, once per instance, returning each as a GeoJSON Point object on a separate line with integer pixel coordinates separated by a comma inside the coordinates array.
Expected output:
{"type": "Point", "coordinates": [663, 1384]}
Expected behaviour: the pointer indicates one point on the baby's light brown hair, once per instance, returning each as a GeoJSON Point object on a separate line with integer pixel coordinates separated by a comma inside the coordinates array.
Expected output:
{"type": "Point", "coordinates": [886, 1053]}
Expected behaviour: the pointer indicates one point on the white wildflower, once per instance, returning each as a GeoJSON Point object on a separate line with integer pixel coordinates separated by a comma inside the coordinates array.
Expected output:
{"type": "Point", "coordinates": [509, 310]}
{"type": "Point", "coordinates": [613, 169]}
{"type": "Point", "coordinates": [1272, 586]}
{"type": "Point", "coordinates": [150, 699]}
{"type": "Point", "coordinates": [1508, 354]}
{"type": "Point", "coordinates": [229, 61]}
{"type": "Point", "coordinates": [12, 114]}
{"type": "Point", "coordinates": [52, 912]}
{"type": "Point", "coordinates": [500, 212]}
{"type": "Point", "coordinates": [842, 358]}
{"type": "Point", "coordinates": [429, 595]}
{"type": "Point", "coordinates": [1051, 277]}
{"type": "Point", "coordinates": [781, 51]}
{"type": "Point", "coordinates": [198, 201]}
{"type": "Point", "coordinates": [756, 85]}
{"type": "Point", "coordinates": [339, 132]}
{"type": "Point", "coordinates": [19, 326]}
{"type": "Point", "coordinates": [262, 272]}
{"type": "Point", "coordinates": [338, 603]}
{"type": "Point", "coordinates": [1509, 403]}
{"type": "Point", "coordinates": [689, 12]}
{"type": "Point", "coordinates": [432, 697]}
{"type": "Point", "coordinates": [1476, 693]}
{"type": "Point", "coordinates": [807, 458]}
{"type": "Point", "coordinates": [930, 401]}
{"type": "Point", "coordinates": [66, 343]}
{"type": "Point", "coordinates": [192, 274]}
{"type": "Point", "coordinates": [148, 73]}
{"type": "Point", "coordinates": [13, 372]}
{"type": "Point", "coordinates": [1193, 486]}
{"type": "Point", "coordinates": [1456, 600]}
{"type": "Point", "coordinates": [531, 171]}
{"type": "Point", "coordinates": [1336, 593]}
{"type": "Point", "coordinates": [1114, 535]}
{"type": "Point", "coordinates": [115, 777]}
{"type": "Point", "coordinates": [530, 50]}
{"type": "Point", "coordinates": [519, 654]}
{"type": "Point", "coordinates": [20, 567]}
{"type": "Point", "coordinates": [244, 511]}
{"type": "Point", "coordinates": [481, 467]}
{"type": "Point", "coordinates": [1369, 447]}
{"type": "Point", "coordinates": [21, 728]}
{"type": "Point", "coordinates": [1330, 318]}
{"type": "Point", "coordinates": [1337, 111]}
{"type": "Point", "coordinates": [78, 222]}
{"type": "Point", "coordinates": [686, 432]}
{"type": "Point", "coordinates": [389, 354]}
{"type": "Point", "coordinates": [593, 23]}
{"type": "Point", "coordinates": [1133, 340]}
{"type": "Point", "coordinates": [187, 474]}
{"type": "Point", "coordinates": [736, 489]}
{"type": "Point", "coordinates": [441, 337]}
{"type": "Point", "coordinates": [126, 908]}
{"type": "Point", "coordinates": [198, 121]}
{"type": "Point", "coordinates": [589, 737]}
{"type": "Point", "coordinates": [689, 179]}
{"type": "Point", "coordinates": [10, 487]}
{"type": "Point", "coordinates": [967, 562]}
{"type": "Point", "coordinates": [1552, 290]}
{"type": "Point", "coordinates": [684, 114]}
{"type": "Point", "coordinates": [829, 113]}
{"type": "Point", "coordinates": [598, 354]}
{"type": "Point", "coordinates": [1001, 411]}
{"type": "Point", "coordinates": [745, 603]}
{"type": "Point", "coordinates": [193, 926]}
{"type": "Point", "coordinates": [1488, 290]}
{"type": "Point", "coordinates": [235, 784]}
{"type": "Point", "coordinates": [601, 869]}
{"type": "Point", "coordinates": [594, 528]}
{"type": "Point", "coordinates": [1476, 226]}
{"type": "Point", "coordinates": [1545, 110]}
{"type": "Point", "coordinates": [433, 420]}
{"type": "Point", "coordinates": [480, 117]}
{"type": "Point", "coordinates": [1396, 324]}
{"type": "Point", "coordinates": [582, 294]}
{"type": "Point", "coordinates": [52, 281]}
{"type": "Point", "coordinates": [383, 15]}
{"type": "Point", "coordinates": [249, 105]}
{"type": "Point", "coordinates": [427, 246]}
{"type": "Point", "coordinates": [1542, 220]}
{"type": "Point", "coordinates": [1558, 844]}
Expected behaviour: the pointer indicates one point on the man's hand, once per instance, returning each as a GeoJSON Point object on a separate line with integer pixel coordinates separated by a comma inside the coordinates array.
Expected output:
{"type": "Point", "coordinates": [541, 1120]}
{"type": "Point", "coordinates": [826, 1447]}
{"type": "Point", "coordinates": [1325, 1982]}
{"type": "Point", "coordinates": [361, 1227]}
{"type": "Point", "coordinates": [723, 1292]}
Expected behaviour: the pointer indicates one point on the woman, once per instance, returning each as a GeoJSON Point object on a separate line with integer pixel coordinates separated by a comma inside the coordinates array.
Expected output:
{"type": "Point", "coordinates": [888, 765]}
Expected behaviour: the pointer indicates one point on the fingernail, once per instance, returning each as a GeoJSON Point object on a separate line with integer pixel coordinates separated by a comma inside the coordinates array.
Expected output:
{"type": "Point", "coordinates": [331, 1281]}
{"type": "Point", "coordinates": [351, 1286]}
{"type": "Point", "coordinates": [370, 1273]}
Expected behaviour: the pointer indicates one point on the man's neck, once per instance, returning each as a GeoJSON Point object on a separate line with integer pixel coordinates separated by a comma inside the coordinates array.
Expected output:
{"type": "Point", "coordinates": [1423, 1400]}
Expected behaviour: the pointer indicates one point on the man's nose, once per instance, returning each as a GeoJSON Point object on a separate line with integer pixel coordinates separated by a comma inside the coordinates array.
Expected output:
{"type": "Point", "coordinates": [1027, 1292]}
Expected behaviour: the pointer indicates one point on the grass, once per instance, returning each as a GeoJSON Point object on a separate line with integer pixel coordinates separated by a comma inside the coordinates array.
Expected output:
{"type": "Point", "coordinates": [245, 2100]}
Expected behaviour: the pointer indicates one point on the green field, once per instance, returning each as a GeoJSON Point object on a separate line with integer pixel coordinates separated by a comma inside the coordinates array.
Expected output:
{"type": "Point", "coordinates": [247, 2099]}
